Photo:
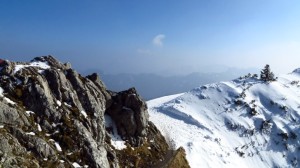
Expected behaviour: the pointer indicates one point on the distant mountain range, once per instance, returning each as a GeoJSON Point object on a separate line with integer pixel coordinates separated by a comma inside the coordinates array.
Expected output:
{"type": "Point", "coordinates": [151, 86]}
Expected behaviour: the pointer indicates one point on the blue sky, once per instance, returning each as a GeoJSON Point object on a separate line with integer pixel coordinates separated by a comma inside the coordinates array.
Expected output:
{"type": "Point", "coordinates": [155, 36]}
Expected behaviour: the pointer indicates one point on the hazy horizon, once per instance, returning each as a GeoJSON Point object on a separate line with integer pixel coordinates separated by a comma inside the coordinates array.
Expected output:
{"type": "Point", "coordinates": [161, 37]}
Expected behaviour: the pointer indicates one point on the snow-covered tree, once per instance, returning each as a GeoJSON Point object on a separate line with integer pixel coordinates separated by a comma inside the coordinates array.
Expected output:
{"type": "Point", "coordinates": [266, 74]}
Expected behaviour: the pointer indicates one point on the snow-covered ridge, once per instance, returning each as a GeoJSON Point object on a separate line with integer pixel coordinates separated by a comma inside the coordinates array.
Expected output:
{"type": "Point", "coordinates": [245, 122]}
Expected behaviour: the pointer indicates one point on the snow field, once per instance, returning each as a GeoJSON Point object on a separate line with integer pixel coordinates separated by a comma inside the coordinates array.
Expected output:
{"type": "Point", "coordinates": [216, 131]}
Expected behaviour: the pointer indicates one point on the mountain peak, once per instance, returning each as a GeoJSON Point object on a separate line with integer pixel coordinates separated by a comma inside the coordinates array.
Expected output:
{"type": "Point", "coordinates": [53, 116]}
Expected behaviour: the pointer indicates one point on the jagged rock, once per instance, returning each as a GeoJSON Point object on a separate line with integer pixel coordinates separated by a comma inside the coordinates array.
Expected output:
{"type": "Point", "coordinates": [37, 97]}
{"type": "Point", "coordinates": [57, 118]}
{"type": "Point", "coordinates": [7, 68]}
{"type": "Point", "coordinates": [178, 159]}
{"type": "Point", "coordinates": [97, 157]}
{"type": "Point", "coordinates": [10, 115]}
{"type": "Point", "coordinates": [13, 154]}
{"type": "Point", "coordinates": [131, 116]}
{"type": "Point", "coordinates": [52, 62]}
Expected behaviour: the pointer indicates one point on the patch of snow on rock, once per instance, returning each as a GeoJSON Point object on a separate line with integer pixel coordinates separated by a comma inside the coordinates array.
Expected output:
{"type": "Point", "coordinates": [19, 67]}
{"type": "Point", "coordinates": [39, 127]}
{"type": "Point", "coordinates": [58, 146]}
{"type": "Point", "coordinates": [9, 101]}
{"type": "Point", "coordinates": [66, 104]}
{"type": "Point", "coordinates": [5, 98]}
{"type": "Point", "coordinates": [1, 91]}
{"type": "Point", "coordinates": [41, 65]}
{"type": "Point", "coordinates": [58, 103]}
{"type": "Point", "coordinates": [29, 112]}
{"type": "Point", "coordinates": [76, 165]}
{"type": "Point", "coordinates": [116, 139]}
{"type": "Point", "coordinates": [84, 114]}
{"type": "Point", "coordinates": [30, 133]}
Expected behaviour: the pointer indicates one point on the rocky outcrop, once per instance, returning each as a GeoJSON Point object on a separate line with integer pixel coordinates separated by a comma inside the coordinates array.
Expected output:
{"type": "Point", "coordinates": [130, 114]}
{"type": "Point", "coordinates": [51, 116]}
{"type": "Point", "coordinates": [178, 159]}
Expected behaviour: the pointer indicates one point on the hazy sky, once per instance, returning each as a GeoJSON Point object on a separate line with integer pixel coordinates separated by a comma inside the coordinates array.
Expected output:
{"type": "Point", "coordinates": [160, 36]}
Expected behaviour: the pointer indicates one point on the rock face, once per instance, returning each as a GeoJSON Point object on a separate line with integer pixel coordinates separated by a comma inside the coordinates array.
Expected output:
{"type": "Point", "coordinates": [129, 112]}
{"type": "Point", "coordinates": [51, 116]}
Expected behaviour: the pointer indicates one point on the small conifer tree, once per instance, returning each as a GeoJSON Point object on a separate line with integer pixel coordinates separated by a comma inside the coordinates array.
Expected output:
{"type": "Point", "coordinates": [266, 74]}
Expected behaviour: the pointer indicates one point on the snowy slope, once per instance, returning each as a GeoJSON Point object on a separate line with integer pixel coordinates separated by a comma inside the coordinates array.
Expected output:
{"type": "Point", "coordinates": [245, 122]}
